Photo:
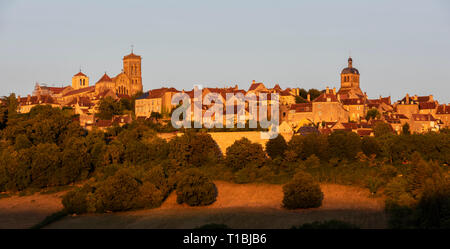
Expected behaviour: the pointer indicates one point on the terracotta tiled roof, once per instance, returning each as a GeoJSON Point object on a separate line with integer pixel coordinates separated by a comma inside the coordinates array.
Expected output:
{"type": "Point", "coordinates": [253, 86]}
{"type": "Point", "coordinates": [56, 90]}
{"type": "Point", "coordinates": [35, 100]}
{"type": "Point", "coordinates": [103, 123]}
{"type": "Point", "coordinates": [356, 101]}
{"type": "Point", "coordinates": [131, 56]}
{"type": "Point", "coordinates": [351, 126]}
{"type": "Point", "coordinates": [364, 133]}
{"type": "Point", "coordinates": [122, 119]}
{"type": "Point", "coordinates": [427, 105]}
{"type": "Point", "coordinates": [423, 117]}
{"type": "Point", "coordinates": [286, 92]}
{"type": "Point", "coordinates": [302, 107]}
{"type": "Point", "coordinates": [325, 96]}
{"type": "Point", "coordinates": [80, 74]}
{"type": "Point", "coordinates": [81, 90]}
{"type": "Point", "coordinates": [443, 109]}
{"type": "Point", "coordinates": [104, 78]}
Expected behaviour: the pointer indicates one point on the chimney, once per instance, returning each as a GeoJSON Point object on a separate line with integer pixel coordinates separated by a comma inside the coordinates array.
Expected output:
{"type": "Point", "coordinates": [28, 98]}
{"type": "Point", "coordinates": [431, 98]}
{"type": "Point", "coordinates": [236, 87]}
{"type": "Point", "coordinates": [253, 82]}
{"type": "Point", "coordinates": [18, 98]}
{"type": "Point", "coordinates": [415, 97]}
{"type": "Point", "coordinates": [327, 90]}
{"type": "Point", "coordinates": [407, 99]}
{"type": "Point", "coordinates": [308, 97]}
{"type": "Point", "coordinates": [334, 90]}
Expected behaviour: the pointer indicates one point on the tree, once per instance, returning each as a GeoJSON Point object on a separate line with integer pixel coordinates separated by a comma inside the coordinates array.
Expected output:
{"type": "Point", "coordinates": [117, 193]}
{"type": "Point", "coordinates": [242, 153]}
{"type": "Point", "coordinates": [314, 93]}
{"type": "Point", "coordinates": [382, 129]}
{"type": "Point", "coordinates": [195, 189]}
{"type": "Point", "coordinates": [405, 129]}
{"type": "Point", "coordinates": [372, 114]}
{"type": "Point", "coordinates": [156, 115]}
{"type": "Point", "coordinates": [299, 99]}
{"type": "Point", "coordinates": [276, 147]}
{"type": "Point", "coordinates": [302, 192]}
{"type": "Point", "coordinates": [194, 149]}
{"type": "Point", "coordinates": [370, 146]}
{"type": "Point", "coordinates": [344, 144]}
{"type": "Point", "coordinates": [109, 107]}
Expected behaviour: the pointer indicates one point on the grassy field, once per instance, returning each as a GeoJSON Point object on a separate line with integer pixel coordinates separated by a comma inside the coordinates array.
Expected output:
{"type": "Point", "coordinates": [244, 206]}
{"type": "Point", "coordinates": [26, 211]}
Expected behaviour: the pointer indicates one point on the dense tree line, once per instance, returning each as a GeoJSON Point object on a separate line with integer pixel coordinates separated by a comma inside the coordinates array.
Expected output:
{"type": "Point", "coordinates": [131, 167]}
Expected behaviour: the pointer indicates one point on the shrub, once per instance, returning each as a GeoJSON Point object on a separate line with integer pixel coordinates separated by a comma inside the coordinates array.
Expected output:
{"type": "Point", "coordinates": [149, 196]}
{"type": "Point", "coordinates": [75, 201]}
{"type": "Point", "coordinates": [194, 149]}
{"type": "Point", "coordinates": [117, 193]}
{"type": "Point", "coordinates": [305, 146]}
{"type": "Point", "coordinates": [243, 152]}
{"type": "Point", "coordinates": [329, 224]}
{"type": "Point", "coordinates": [276, 147]}
{"type": "Point", "coordinates": [195, 189]}
{"type": "Point", "coordinates": [344, 144]}
{"type": "Point", "coordinates": [370, 146]}
{"type": "Point", "coordinates": [302, 192]}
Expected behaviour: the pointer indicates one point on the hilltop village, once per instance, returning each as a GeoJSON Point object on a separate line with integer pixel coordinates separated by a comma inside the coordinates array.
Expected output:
{"type": "Point", "coordinates": [347, 108]}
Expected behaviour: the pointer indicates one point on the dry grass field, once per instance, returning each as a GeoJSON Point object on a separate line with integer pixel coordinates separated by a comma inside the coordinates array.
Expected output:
{"type": "Point", "coordinates": [244, 206]}
{"type": "Point", "coordinates": [26, 211]}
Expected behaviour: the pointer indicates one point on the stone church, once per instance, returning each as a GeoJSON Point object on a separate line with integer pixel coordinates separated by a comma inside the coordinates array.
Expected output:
{"type": "Point", "coordinates": [128, 82]}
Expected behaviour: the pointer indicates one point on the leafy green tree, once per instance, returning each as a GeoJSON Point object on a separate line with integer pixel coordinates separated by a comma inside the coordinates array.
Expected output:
{"type": "Point", "coordinates": [370, 146]}
{"type": "Point", "coordinates": [195, 189]}
{"type": "Point", "coordinates": [46, 160]}
{"type": "Point", "coordinates": [314, 93]}
{"type": "Point", "coordinates": [405, 129]}
{"type": "Point", "coordinates": [276, 147]}
{"type": "Point", "coordinates": [194, 149]}
{"type": "Point", "coordinates": [372, 114]}
{"type": "Point", "coordinates": [302, 192]}
{"type": "Point", "coordinates": [242, 153]}
{"type": "Point", "coordinates": [299, 100]}
{"type": "Point", "coordinates": [382, 129]}
{"type": "Point", "coordinates": [109, 107]}
{"type": "Point", "coordinates": [344, 144]}
{"type": "Point", "coordinates": [117, 193]}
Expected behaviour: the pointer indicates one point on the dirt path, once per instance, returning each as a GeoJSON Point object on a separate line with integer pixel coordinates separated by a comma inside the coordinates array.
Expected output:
{"type": "Point", "coordinates": [244, 206]}
{"type": "Point", "coordinates": [26, 211]}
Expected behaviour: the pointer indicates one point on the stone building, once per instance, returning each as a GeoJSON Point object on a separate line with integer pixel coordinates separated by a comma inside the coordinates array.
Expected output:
{"type": "Point", "coordinates": [126, 83]}
{"type": "Point", "coordinates": [156, 100]}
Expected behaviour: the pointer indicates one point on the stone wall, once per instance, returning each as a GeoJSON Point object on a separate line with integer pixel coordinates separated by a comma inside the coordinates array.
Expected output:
{"type": "Point", "coordinates": [226, 139]}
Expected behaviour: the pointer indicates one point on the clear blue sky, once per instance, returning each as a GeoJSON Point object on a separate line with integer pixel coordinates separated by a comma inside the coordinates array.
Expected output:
{"type": "Point", "coordinates": [399, 47]}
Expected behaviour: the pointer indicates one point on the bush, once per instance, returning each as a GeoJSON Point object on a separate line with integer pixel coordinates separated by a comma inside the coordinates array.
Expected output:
{"type": "Point", "coordinates": [276, 147]}
{"type": "Point", "coordinates": [242, 153]}
{"type": "Point", "coordinates": [370, 146]}
{"type": "Point", "coordinates": [329, 224]}
{"type": "Point", "coordinates": [194, 149]}
{"type": "Point", "coordinates": [305, 146]}
{"type": "Point", "coordinates": [75, 201]}
{"type": "Point", "coordinates": [302, 192]}
{"type": "Point", "coordinates": [344, 144]}
{"type": "Point", "coordinates": [117, 193]}
{"type": "Point", "coordinates": [195, 189]}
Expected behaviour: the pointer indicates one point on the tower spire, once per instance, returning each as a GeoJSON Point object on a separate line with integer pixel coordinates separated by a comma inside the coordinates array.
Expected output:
{"type": "Point", "coordinates": [132, 48]}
